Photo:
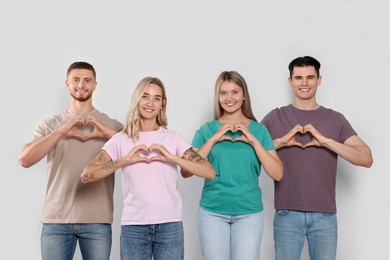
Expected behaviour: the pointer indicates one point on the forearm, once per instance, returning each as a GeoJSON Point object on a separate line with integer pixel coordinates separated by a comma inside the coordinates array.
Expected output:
{"type": "Point", "coordinates": [34, 152]}
{"type": "Point", "coordinates": [270, 162]}
{"type": "Point", "coordinates": [278, 143]}
{"type": "Point", "coordinates": [100, 167]}
{"type": "Point", "coordinates": [357, 154]}
{"type": "Point", "coordinates": [201, 168]}
{"type": "Point", "coordinates": [205, 149]}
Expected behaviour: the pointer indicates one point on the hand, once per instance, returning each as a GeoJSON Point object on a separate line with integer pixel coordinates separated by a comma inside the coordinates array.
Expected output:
{"type": "Point", "coordinates": [220, 134]}
{"type": "Point", "coordinates": [69, 129]}
{"type": "Point", "coordinates": [134, 155]}
{"type": "Point", "coordinates": [163, 154]}
{"type": "Point", "coordinates": [317, 140]}
{"type": "Point", "coordinates": [99, 130]}
{"type": "Point", "coordinates": [289, 139]}
{"type": "Point", "coordinates": [246, 136]}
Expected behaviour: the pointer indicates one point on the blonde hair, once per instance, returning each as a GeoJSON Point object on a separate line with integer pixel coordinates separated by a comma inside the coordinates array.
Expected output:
{"type": "Point", "coordinates": [131, 127]}
{"type": "Point", "coordinates": [236, 78]}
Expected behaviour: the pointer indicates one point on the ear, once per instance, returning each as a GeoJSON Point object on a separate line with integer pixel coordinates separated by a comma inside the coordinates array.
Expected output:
{"type": "Point", "coordinates": [94, 88]}
{"type": "Point", "coordinates": [67, 84]}
{"type": "Point", "coordinates": [289, 81]}
{"type": "Point", "coordinates": [319, 80]}
{"type": "Point", "coordinates": [164, 103]}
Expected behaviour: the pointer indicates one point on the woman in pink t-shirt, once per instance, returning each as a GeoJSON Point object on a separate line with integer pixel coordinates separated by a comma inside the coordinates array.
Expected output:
{"type": "Point", "coordinates": [148, 154]}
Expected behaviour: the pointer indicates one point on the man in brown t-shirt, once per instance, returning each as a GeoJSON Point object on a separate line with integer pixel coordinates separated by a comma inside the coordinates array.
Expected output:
{"type": "Point", "coordinates": [74, 211]}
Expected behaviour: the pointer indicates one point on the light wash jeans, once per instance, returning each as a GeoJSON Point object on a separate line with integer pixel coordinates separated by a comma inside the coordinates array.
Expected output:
{"type": "Point", "coordinates": [292, 227]}
{"type": "Point", "coordinates": [239, 234]}
{"type": "Point", "coordinates": [58, 241]}
{"type": "Point", "coordinates": [161, 241]}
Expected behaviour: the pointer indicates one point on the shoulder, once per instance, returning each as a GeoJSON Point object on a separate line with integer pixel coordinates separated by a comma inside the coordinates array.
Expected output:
{"type": "Point", "coordinates": [331, 112]}
{"type": "Point", "coordinates": [257, 129]}
{"type": "Point", "coordinates": [105, 119]}
{"type": "Point", "coordinates": [210, 125]}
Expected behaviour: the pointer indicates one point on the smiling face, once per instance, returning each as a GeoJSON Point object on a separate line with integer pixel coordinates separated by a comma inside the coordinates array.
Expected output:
{"type": "Point", "coordinates": [151, 102]}
{"type": "Point", "coordinates": [81, 84]}
{"type": "Point", "coordinates": [304, 81]}
{"type": "Point", "coordinates": [231, 97]}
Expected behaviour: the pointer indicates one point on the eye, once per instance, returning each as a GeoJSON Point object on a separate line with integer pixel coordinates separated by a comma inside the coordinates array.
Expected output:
{"type": "Point", "coordinates": [144, 96]}
{"type": "Point", "coordinates": [75, 80]}
{"type": "Point", "coordinates": [222, 93]}
{"type": "Point", "coordinates": [157, 99]}
{"type": "Point", "coordinates": [87, 80]}
{"type": "Point", "coordinates": [235, 92]}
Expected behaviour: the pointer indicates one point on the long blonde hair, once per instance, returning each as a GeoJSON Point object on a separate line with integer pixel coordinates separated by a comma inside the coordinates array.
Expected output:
{"type": "Point", "coordinates": [131, 127]}
{"type": "Point", "coordinates": [236, 78]}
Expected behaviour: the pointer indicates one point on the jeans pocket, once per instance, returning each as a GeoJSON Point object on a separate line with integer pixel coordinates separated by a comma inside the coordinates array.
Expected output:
{"type": "Point", "coordinates": [282, 212]}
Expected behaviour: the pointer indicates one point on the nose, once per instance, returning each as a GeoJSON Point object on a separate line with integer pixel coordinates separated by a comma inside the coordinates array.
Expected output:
{"type": "Point", "coordinates": [149, 102]}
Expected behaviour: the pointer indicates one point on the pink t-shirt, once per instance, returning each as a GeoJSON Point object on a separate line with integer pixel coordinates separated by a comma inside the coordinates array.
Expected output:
{"type": "Point", "coordinates": [150, 190]}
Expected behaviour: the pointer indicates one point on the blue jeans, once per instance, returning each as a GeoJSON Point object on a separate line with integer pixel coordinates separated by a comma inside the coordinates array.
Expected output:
{"type": "Point", "coordinates": [241, 234]}
{"type": "Point", "coordinates": [292, 227]}
{"type": "Point", "coordinates": [58, 241]}
{"type": "Point", "coordinates": [161, 241]}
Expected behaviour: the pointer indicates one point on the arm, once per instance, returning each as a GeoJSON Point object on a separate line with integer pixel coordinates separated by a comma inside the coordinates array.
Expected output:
{"type": "Point", "coordinates": [191, 161]}
{"type": "Point", "coordinates": [269, 159]}
{"type": "Point", "coordinates": [103, 165]}
{"type": "Point", "coordinates": [353, 150]}
{"type": "Point", "coordinates": [195, 163]}
{"type": "Point", "coordinates": [33, 152]}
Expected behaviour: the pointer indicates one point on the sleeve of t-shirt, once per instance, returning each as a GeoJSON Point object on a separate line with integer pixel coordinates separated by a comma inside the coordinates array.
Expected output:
{"type": "Point", "coordinates": [181, 145]}
{"type": "Point", "coordinates": [346, 130]}
{"type": "Point", "coordinates": [198, 139]}
{"type": "Point", "coordinates": [268, 119]}
{"type": "Point", "coordinates": [267, 140]}
{"type": "Point", "coordinates": [111, 147]}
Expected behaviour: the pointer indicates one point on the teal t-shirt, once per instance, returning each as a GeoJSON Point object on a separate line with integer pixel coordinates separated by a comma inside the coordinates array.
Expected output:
{"type": "Point", "coordinates": [235, 189]}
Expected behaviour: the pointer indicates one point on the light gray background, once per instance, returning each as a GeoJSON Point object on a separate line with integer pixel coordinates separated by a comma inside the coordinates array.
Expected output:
{"type": "Point", "coordinates": [187, 44]}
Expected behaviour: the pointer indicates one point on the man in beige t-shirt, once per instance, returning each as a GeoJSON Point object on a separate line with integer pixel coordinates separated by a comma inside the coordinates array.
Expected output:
{"type": "Point", "coordinates": [74, 211]}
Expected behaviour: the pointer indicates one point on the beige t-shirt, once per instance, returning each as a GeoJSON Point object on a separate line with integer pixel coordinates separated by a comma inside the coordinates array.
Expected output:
{"type": "Point", "coordinates": [68, 200]}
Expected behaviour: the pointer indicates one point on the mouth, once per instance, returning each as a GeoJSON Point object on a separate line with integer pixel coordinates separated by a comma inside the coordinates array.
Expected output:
{"type": "Point", "coordinates": [81, 91]}
{"type": "Point", "coordinates": [149, 110]}
{"type": "Point", "coordinates": [230, 104]}
{"type": "Point", "coordinates": [304, 89]}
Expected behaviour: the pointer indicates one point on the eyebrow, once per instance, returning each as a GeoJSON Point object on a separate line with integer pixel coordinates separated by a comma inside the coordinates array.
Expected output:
{"type": "Point", "coordinates": [146, 93]}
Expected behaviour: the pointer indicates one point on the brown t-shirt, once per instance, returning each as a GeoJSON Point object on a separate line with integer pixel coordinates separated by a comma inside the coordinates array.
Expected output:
{"type": "Point", "coordinates": [68, 200]}
{"type": "Point", "coordinates": [309, 180]}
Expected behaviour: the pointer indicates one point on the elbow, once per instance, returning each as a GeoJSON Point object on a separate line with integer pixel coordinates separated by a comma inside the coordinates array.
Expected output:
{"type": "Point", "coordinates": [365, 161]}
{"type": "Point", "coordinates": [279, 174]}
{"type": "Point", "coordinates": [368, 163]}
{"type": "Point", "coordinates": [278, 177]}
{"type": "Point", "coordinates": [23, 162]}
{"type": "Point", "coordinates": [212, 174]}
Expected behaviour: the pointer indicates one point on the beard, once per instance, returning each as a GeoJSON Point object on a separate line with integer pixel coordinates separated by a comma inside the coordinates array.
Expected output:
{"type": "Point", "coordinates": [81, 99]}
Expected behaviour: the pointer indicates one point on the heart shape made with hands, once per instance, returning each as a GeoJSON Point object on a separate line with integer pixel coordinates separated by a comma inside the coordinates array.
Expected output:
{"type": "Point", "coordinates": [85, 129]}
{"type": "Point", "coordinates": [233, 136]}
{"type": "Point", "coordinates": [303, 138]}
{"type": "Point", "coordinates": [148, 154]}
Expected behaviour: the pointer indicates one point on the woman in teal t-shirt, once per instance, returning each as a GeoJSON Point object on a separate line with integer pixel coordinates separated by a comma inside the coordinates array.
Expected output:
{"type": "Point", "coordinates": [231, 211]}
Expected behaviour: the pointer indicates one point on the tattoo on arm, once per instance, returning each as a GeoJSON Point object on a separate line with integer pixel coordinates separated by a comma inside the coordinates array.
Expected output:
{"type": "Point", "coordinates": [193, 155]}
{"type": "Point", "coordinates": [107, 164]}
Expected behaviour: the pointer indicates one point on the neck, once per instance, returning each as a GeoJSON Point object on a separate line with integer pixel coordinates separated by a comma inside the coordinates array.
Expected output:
{"type": "Point", "coordinates": [148, 125]}
{"type": "Point", "coordinates": [234, 118]}
{"type": "Point", "coordinates": [306, 104]}
{"type": "Point", "coordinates": [80, 107]}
